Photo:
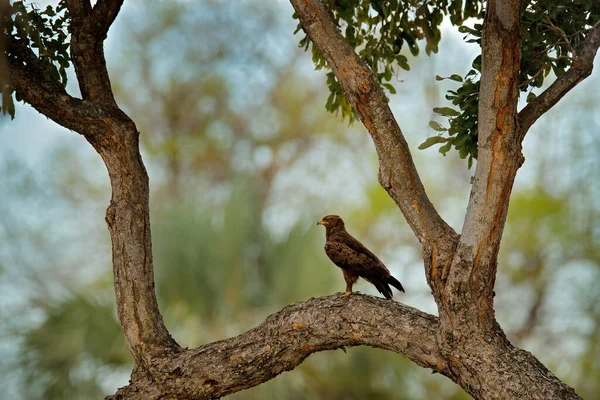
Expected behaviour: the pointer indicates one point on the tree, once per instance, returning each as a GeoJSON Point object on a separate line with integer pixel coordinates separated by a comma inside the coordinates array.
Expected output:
{"type": "Point", "coordinates": [465, 343]}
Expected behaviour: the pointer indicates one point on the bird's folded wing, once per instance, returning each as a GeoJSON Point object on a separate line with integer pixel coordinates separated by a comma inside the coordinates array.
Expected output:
{"type": "Point", "coordinates": [355, 262]}
{"type": "Point", "coordinates": [360, 248]}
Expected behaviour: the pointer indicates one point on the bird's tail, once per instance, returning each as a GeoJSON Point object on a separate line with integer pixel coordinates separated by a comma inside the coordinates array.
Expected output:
{"type": "Point", "coordinates": [395, 283]}
{"type": "Point", "coordinates": [384, 289]}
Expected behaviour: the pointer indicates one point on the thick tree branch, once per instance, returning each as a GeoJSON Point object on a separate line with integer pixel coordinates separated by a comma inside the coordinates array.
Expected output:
{"type": "Point", "coordinates": [397, 172]}
{"type": "Point", "coordinates": [88, 31]}
{"type": "Point", "coordinates": [287, 338]}
{"type": "Point", "coordinates": [128, 220]}
{"type": "Point", "coordinates": [493, 370]}
{"type": "Point", "coordinates": [128, 215]}
{"type": "Point", "coordinates": [581, 68]}
{"type": "Point", "coordinates": [467, 311]}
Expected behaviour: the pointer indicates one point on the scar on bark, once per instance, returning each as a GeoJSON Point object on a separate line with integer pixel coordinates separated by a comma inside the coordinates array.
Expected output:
{"type": "Point", "coordinates": [391, 179]}
{"type": "Point", "coordinates": [136, 314]}
{"type": "Point", "coordinates": [434, 266]}
{"type": "Point", "coordinates": [366, 119]}
{"type": "Point", "coordinates": [504, 82]}
{"type": "Point", "coordinates": [317, 14]}
{"type": "Point", "coordinates": [503, 199]}
{"type": "Point", "coordinates": [299, 325]}
{"type": "Point", "coordinates": [410, 176]}
{"type": "Point", "coordinates": [418, 209]}
{"type": "Point", "coordinates": [476, 262]}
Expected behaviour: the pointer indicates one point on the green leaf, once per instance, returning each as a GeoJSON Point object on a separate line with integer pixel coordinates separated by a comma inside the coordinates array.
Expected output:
{"type": "Point", "coordinates": [439, 78]}
{"type": "Point", "coordinates": [445, 148]}
{"type": "Point", "coordinates": [446, 112]}
{"type": "Point", "coordinates": [436, 126]}
{"type": "Point", "coordinates": [390, 87]}
{"type": "Point", "coordinates": [460, 139]}
{"type": "Point", "coordinates": [456, 77]}
{"type": "Point", "coordinates": [531, 96]}
{"type": "Point", "coordinates": [431, 141]}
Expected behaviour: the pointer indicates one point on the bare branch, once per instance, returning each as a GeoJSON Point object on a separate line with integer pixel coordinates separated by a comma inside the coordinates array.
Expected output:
{"type": "Point", "coordinates": [397, 172]}
{"type": "Point", "coordinates": [88, 31]}
{"type": "Point", "coordinates": [104, 14]}
{"type": "Point", "coordinates": [581, 68]}
{"type": "Point", "coordinates": [287, 338]}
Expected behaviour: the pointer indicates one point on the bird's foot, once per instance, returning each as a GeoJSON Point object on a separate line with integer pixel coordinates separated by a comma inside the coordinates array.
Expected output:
{"type": "Point", "coordinates": [346, 293]}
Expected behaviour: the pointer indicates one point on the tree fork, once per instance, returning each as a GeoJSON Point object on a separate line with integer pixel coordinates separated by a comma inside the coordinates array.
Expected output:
{"type": "Point", "coordinates": [476, 353]}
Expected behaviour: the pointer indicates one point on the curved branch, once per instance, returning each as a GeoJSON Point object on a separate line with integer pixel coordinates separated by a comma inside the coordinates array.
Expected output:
{"type": "Point", "coordinates": [284, 340]}
{"type": "Point", "coordinates": [28, 76]}
{"type": "Point", "coordinates": [581, 69]}
{"type": "Point", "coordinates": [397, 172]}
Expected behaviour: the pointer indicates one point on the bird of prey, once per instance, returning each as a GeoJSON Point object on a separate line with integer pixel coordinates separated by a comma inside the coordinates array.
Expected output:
{"type": "Point", "coordinates": [354, 259]}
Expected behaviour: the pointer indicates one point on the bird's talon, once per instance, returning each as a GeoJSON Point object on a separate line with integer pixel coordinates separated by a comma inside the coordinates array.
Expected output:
{"type": "Point", "coordinates": [345, 294]}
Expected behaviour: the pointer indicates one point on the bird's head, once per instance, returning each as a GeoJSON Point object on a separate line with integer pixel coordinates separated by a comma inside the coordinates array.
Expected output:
{"type": "Point", "coordinates": [331, 221]}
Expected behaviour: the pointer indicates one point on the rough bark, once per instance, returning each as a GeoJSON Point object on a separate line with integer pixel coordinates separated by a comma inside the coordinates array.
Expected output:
{"type": "Point", "coordinates": [465, 343]}
{"type": "Point", "coordinates": [469, 291]}
{"type": "Point", "coordinates": [283, 341]}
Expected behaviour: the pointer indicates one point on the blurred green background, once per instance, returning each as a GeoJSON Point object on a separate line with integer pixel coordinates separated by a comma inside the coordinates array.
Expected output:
{"type": "Point", "coordinates": [243, 159]}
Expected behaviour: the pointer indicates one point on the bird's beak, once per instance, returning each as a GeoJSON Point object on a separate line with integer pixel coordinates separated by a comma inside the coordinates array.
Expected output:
{"type": "Point", "coordinates": [320, 222]}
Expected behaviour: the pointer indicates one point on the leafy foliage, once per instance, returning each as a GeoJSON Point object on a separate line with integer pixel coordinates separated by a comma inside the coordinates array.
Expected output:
{"type": "Point", "coordinates": [379, 31]}
{"type": "Point", "coordinates": [46, 32]}
{"type": "Point", "coordinates": [462, 133]}
{"type": "Point", "coordinates": [552, 31]}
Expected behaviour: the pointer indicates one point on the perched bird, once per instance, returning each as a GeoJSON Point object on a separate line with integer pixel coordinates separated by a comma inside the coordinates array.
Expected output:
{"type": "Point", "coordinates": [354, 259]}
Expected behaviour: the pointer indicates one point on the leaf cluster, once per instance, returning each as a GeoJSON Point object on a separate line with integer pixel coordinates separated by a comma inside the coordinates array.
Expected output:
{"type": "Point", "coordinates": [462, 132]}
{"type": "Point", "coordinates": [551, 31]}
{"type": "Point", "coordinates": [46, 32]}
